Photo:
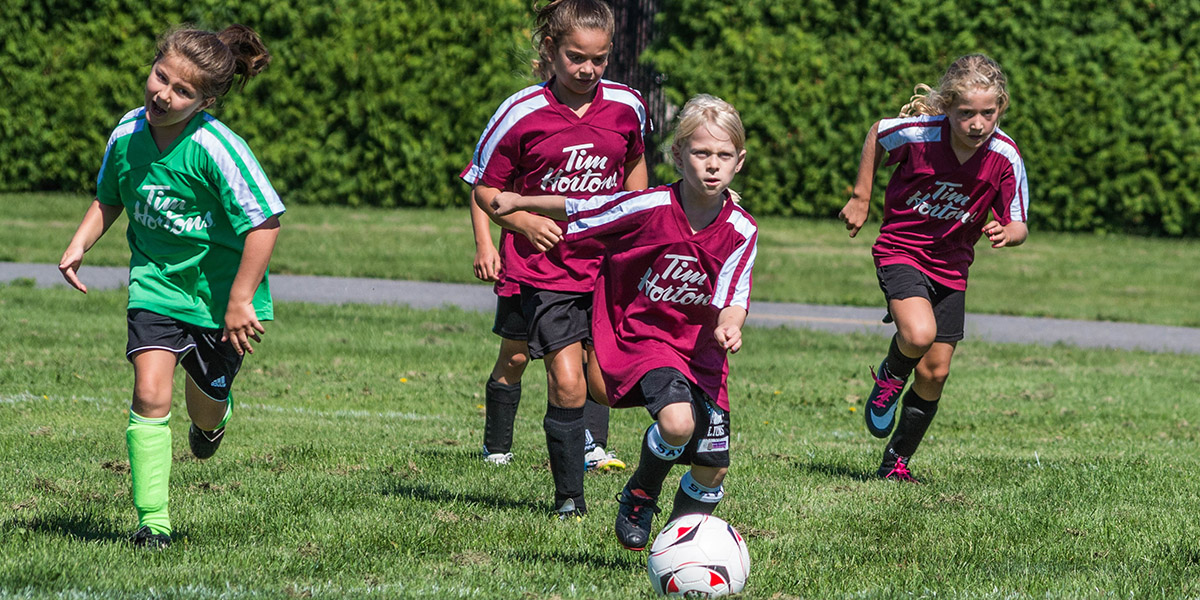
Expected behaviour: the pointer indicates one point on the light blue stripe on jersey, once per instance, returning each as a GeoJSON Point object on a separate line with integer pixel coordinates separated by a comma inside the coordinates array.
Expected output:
{"type": "Point", "coordinates": [1018, 206]}
{"type": "Point", "coordinates": [906, 130]}
{"type": "Point", "coordinates": [232, 174]}
{"type": "Point", "coordinates": [741, 287]}
{"type": "Point", "coordinates": [130, 123]}
{"type": "Point", "coordinates": [625, 95]}
{"type": "Point", "coordinates": [274, 204]}
{"type": "Point", "coordinates": [621, 209]}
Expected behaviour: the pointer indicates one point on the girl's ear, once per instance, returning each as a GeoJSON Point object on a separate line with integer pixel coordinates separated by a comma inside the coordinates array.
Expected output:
{"type": "Point", "coordinates": [678, 156]}
{"type": "Point", "coordinates": [207, 103]}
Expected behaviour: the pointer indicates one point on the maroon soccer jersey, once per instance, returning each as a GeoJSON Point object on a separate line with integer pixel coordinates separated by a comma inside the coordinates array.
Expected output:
{"type": "Point", "coordinates": [535, 145]}
{"type": "Point", "coordinates": [934, 208]}
{"type": "Point", "coordinates": [661, 286]}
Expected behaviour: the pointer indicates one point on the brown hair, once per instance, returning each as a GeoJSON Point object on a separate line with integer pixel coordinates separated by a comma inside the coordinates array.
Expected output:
{"type": "Point", "coordinates": [973, 71]}
{"type": "Point", "coordinates": [559, 18]}
{"type": "Point", "coordinates": [219, 57]}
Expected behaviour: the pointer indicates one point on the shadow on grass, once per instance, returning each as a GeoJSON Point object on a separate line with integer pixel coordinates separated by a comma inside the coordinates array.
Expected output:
{"type": "Point", "coordinates": [592, 560]}
{"type": "Point", "coordinates": [838, 471]}
{"type": "Point", "coordinates": [81, 527]}
{"type": "Point", "coordinates": [428, 493]}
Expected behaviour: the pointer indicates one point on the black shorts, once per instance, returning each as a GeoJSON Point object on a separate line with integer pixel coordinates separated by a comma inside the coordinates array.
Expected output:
{"type": "Point", "coordinates": [556, 319]}
{"type": "Point", "coordinates": [949, 305]}
{"type": "Point", "coordinates": [659, 388]}
{"type": "Point", "coordinates": [510, 319]}
{"type": "Point", "coordinates": [211, 363]}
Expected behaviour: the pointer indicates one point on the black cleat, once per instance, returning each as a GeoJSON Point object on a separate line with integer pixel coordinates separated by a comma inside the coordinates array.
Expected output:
{"type": "Point", "coordinates": [145, 538]}
{"type": "Point", "coordinates": [204, 443]}
{"type": "Point", "coordinates": [881, 404]}
{"type": "Point", "coordinates": [634, 516]}
{"type": "Point", "coordinates": [568, 511]}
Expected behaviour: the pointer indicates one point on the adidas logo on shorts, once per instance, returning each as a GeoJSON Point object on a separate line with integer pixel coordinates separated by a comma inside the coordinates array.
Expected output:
{"type": "Point", "coordinates": [218, 382]}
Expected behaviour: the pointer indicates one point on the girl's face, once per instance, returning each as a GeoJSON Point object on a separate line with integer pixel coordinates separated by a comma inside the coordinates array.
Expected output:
{"type": "Point", "coordinates": [171, 96]}
{"type": "Point", "coordinates": [708, 161]}
{"type": "Point", "coordinates": [579, 61]}
{"type": "Point", "coordinates": [973, 119]}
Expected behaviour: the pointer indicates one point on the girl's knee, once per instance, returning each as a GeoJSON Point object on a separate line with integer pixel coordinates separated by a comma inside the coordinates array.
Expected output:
{"type": "Point", "coordinates": [677, 424]}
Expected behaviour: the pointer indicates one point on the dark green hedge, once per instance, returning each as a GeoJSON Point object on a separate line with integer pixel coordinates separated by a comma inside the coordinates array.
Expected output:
{"type": "Point", "coordinates": [365, 102]}
{"type": "Point", "coordinates": [1105, 95]}
{"type": "Point", "coordinates": [380, 102]}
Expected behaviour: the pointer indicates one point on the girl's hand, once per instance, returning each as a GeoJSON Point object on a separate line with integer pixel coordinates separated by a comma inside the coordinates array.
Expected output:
{"type": "Point", "coordinates": [487, 263]}
{"type": "Point", "coordinates": [69, 265]}
{"type": "Point", "coordinates": [505, 203]}
{"type": "Point", "coordinates": [241, 326]}
{"type": "Point", "coordinates": [729, 336]}
{"type": "Point", "coordinates": [543, 233]}
{"type": "Point", "coordinates": [854, 214]}
{"type": "Point", "coordinates": [996, 234]}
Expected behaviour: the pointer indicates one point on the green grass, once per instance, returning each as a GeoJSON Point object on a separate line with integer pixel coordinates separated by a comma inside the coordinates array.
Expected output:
{"type": "Point", "coordinates": [1111, 277]}
{"type": "Point", "coordinates": [351, 470]}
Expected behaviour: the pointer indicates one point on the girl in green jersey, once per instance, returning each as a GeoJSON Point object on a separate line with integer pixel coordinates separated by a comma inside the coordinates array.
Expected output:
{"type": "Point", "coordinates": [203, 220]}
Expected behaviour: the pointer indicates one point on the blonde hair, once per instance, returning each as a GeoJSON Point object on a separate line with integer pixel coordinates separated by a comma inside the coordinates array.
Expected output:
{"type": "Point", "coordinates": [705, 109]}
{"type": "Point", "coordinates": [559, 19]}
{"type": "Point", "coordinates": [970, 72]}
{"type": "Point", "coordinates": [218, 57]}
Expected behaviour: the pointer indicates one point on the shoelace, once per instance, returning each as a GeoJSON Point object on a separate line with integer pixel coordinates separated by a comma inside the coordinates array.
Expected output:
{"type": "Point", "coordinates": [900, 470]}
{"type": "Point", "coordinates": [888, 387]}
{"type": "Point", "coordinates": [638, 502]}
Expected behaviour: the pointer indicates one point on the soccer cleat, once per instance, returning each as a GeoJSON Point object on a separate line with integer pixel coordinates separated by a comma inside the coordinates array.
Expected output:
{"type": "Point", "coordinates": [599, 459]}
{"type": "Point", "coordinates": [204, 443]}
{"type": "Point", "coordinates": [567, 511]}
{"type": "Point", "coordinates": [895, 468]}
{"type": "Point", "coordinates": [498, 458]}
{"type": "Point", "coordinates": [881, 404]}
{"type": "Point", "coordinates": [145, 538]}
{"type": "Point", "coordinates": [634, 517]}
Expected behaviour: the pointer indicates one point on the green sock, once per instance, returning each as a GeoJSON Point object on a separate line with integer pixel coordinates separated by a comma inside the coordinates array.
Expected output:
{"type": "Point", "coordinates": [149, 442]}
{"type": "Point", "coordinates": [228, 413]}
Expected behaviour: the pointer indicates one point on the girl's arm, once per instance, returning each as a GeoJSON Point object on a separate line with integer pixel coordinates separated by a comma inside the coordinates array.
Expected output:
{"type": "Point", "coordinates": [98, 218]}
{"type": "Point", "coordinates": [637, 176]}
{"type": "Point", "coordinates": [541, 231]}
{"type": "Point", "coordinates": [487, 259]}
{"type": "Point", "coordinates": [854, 214]}
{"type": "Point", "coordinates": [729, 327]}
{"type": "Point", "coordinates": [1006, 236]}
{"type": "Point", "coordinates": [508, 203]}
{"type": "Point", "coordinates": [241, 322]}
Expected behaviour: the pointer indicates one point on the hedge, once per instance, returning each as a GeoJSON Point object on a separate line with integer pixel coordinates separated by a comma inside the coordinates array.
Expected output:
{"type": "Point", "coordinates": [378, 102]}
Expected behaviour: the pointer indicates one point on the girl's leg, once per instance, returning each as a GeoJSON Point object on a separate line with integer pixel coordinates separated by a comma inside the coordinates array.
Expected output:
{"type": "Point", "coordinates": [916, 328]}
{"type": "Point", "coordinates": [920, 407]}
{"type": "Point", "coordinates": [502, 397]}
{"type": "Point", "coordinates": [208, 417]}
{"type": "Point", "coordinates": [564, 427]}
{"type": "Point", "coordinates": [148, 437]}
{"type": "Point", "coordinates": [699, 491]}
{"type": "Point", "coordinates": [595, 419]}
{"type": "Point", "coordinates": [663, 443]}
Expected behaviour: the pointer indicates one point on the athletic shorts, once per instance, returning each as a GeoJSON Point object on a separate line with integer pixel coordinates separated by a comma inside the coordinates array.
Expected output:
{"type": "Point", "coordinates": [949, 305]}
{"type": "Point", "coordinates": [510, 319]}
{"type": "Point", "coordinates": [658, 388]}
{"type": "Point", "coordinates": [556, 319]}
{"type": "Point", "coordinates": [211, 363]}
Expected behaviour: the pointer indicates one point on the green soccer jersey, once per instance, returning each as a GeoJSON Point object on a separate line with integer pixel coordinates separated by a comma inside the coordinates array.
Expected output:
{"type": "Point", "coordinates": [189, 209]}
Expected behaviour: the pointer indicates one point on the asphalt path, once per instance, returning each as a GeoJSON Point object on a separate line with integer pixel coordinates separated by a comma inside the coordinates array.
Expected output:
{"type": "Point", "coordinates": [838, 319]}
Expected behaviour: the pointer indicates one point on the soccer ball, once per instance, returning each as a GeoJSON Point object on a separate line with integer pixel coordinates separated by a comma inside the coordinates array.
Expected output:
{"type": "Point", "coordinates": [698, 556]}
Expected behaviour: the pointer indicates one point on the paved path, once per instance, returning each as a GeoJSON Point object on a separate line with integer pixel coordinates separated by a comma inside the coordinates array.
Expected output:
{"type": "Point", "coordinates": [841, 319]}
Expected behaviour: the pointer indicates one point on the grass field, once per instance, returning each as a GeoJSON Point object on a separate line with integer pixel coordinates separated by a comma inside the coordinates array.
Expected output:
{"type": "Point", "coordinates": [351, 471]}
{"type": "Point", "coordinates": [1113, 278]}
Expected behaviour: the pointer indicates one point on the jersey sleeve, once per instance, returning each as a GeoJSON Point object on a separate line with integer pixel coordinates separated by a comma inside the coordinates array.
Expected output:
{"type": "Point", "coordinates": [494, 162]}
{"type": "Point", "coordinates": [1012, 201]}
{"type": "Point", "coordinates": [107, 190]}
{"type": "Point", "coordinates": [898, 135]}
{"type": "Point", "coordinates": [612, 216]}
{"type": "Point", "coordinates": [734, 280]}
{"type": "Point", "coordinates": [238, 179]}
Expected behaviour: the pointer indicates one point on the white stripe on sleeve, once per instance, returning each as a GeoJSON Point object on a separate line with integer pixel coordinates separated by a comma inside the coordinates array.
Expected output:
{"type": "Point", "coordinates": [256, 173]}
{"type": "Point", "coordinates": [635, 202]}
{"type": "Point", "coordinates": [726, 279]}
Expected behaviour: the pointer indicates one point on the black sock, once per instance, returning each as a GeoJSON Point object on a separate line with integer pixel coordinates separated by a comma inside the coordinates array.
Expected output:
{"type": "Point", "coordinates": [897, 364]}
{"type": "Point", "coordinates": [915, 416]}
{"type": "Point", "coordinates": [564, 443]}
{"type": "Point", "coordinates": [652, 469]}
{"type": "Point", "coordinates": [685, 504]}
{"type": "Point", "coordinates": [595, 418]}
{"type": "Point", "coordinates": [500, 401]}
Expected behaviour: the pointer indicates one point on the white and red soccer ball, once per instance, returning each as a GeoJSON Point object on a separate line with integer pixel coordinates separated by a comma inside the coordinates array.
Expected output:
{"type": "Point", "coordinates": [698, 556]}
